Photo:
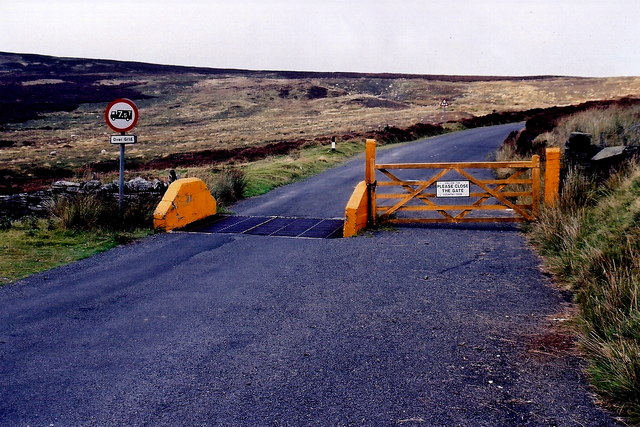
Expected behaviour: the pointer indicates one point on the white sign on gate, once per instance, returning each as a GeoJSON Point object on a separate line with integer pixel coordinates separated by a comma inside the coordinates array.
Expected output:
{"type": "Point", "coordinates": [452, 189]}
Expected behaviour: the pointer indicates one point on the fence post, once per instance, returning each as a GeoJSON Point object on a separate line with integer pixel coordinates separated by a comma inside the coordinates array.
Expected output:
{"type": "Point", "coordinates": [535, 185]}
{"type": "Point", "coordinates": [370, 178]}
{"type": "Point", "coordinates": [552, 176]}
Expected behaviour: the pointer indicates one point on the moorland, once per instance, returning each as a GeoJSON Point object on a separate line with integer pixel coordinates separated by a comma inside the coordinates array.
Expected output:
{"type": "Point", "coordinates": [52, 126]}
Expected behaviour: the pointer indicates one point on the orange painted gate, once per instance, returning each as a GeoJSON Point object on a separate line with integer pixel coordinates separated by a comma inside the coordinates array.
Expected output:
{"type": "Point", "coordinates": [451, 192]}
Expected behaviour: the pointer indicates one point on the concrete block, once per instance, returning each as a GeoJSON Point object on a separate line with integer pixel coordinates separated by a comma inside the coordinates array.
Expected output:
{"type": "Point", "coordinates": [357, 211]}
{"type": "Point", "coordinates": [186, 200]}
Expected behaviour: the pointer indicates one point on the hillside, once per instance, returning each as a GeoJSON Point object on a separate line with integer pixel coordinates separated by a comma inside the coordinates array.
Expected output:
{"type": "Point", "coordinates": [51, 108]}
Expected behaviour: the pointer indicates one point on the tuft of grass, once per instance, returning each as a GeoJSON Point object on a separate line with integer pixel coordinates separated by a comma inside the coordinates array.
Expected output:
{"type": "Point", "coordinates": [507, 152]}
{"type": "Point", "coordinates": [5, 223]}
{"type": "Point", "coordinates": [81, 211]}
{"type": "Point", "coordinates": [88, 211]}
{"type": "Point", "coordinates": [229, 185]}
{"type": "Point", "coordinates": [80, 225]}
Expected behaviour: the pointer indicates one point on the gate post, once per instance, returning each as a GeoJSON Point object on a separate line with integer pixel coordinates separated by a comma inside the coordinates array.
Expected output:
{"type": "Point", "coordinates": [370, 178]}
{"type": "Point", "coordinates": [535, 185]}
{"type": "Point", "coordinates": [552, 176]}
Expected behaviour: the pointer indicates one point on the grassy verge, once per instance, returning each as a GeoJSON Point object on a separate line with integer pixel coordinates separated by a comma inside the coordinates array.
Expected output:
{"type": "Point", "coordinates": [262, 176]}
{"type": "Point", "coordinates": [265, 175]}
{"type": "Point", "coordinates": [590, 240]}
{"type": "Point", "coordinates": [32, 246]}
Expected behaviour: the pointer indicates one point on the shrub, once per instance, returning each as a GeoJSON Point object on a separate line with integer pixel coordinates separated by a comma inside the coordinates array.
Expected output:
{"type": "Point", "coordinates": [5, 223]}
{"type": "Point", "coordinates": [229, 185]}
{"type": "Point", "coordinates": [31, 222]}
{"type": "Point", "coordinates": [92, 211]}
{"type": "Point", "coordinates": [77, 212]}
{"type": "Point", "coordinates": [138, 212]}
{"type": "Point", "coordinates": [317, 92]}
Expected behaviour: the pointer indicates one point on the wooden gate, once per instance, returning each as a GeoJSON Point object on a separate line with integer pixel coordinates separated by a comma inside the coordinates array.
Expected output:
{"type": "Point", "coordinates": [452, 192]}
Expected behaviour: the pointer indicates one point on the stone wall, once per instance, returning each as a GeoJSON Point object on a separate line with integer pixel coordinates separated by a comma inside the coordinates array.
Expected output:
{"type": "Point", "coordinates": [596, 159]}
{"type": "Point", "coordinates": [16, 206]}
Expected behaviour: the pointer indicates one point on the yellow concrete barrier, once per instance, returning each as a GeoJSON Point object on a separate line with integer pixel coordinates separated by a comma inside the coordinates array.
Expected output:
{"type": "Point", "coordinates": [186, 200]}
{"type": "Point", "coordinates": [357, 211]}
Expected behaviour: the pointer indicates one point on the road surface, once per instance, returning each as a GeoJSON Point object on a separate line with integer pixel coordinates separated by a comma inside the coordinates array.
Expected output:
{"type": "Point", "coordinates": [423, 326]}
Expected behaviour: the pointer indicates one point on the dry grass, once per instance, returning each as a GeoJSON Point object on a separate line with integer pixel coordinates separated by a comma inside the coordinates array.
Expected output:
{"type": "Point", "coordinates": [88, 211]}
{"type": "Point", "coordinates": [591, 241]}
{"type": "Point", "coordinates": [609, 127]}
{"type": "Point", "coordinates": [197, 112]}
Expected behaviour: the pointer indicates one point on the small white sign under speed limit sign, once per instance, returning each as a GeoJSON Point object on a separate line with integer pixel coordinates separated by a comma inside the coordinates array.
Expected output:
{"type": "Point", "coordinates": [123, 139]}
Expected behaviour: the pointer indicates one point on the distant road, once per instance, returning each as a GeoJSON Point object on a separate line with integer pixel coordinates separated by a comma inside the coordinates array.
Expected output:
{"type": "Point", "coordinates": [326, 195]}
{"type": "Point", "coordinates": [433, 326]}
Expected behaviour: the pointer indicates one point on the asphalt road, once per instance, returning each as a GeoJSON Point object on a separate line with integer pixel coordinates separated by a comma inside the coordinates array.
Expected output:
{"type": "Point", "coordinates": [433, 326]}
{"type": "Point", "coordinates": [326, 194]}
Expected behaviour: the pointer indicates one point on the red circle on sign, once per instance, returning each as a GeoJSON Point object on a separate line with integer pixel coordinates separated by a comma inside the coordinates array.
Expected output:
{"type": "Point", "coordinates": [121, 115]}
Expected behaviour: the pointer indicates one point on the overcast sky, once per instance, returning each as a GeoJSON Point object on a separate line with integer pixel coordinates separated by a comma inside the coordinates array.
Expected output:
{"type": "Point", "coordinates": [492, 37]}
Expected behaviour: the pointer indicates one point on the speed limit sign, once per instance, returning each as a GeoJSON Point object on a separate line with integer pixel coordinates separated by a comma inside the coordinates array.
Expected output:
{"type": "Point", "coordinates": [121, 115]}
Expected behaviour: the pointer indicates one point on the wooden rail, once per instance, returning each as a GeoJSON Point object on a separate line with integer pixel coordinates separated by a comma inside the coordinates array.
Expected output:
{"type": "Point", "coordinates": [514, 198]}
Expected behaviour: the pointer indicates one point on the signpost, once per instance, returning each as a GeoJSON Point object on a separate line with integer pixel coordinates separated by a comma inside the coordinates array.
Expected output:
{"type": "Point", "coordinates": [121, 116]}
